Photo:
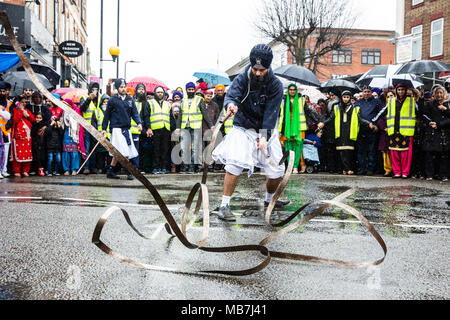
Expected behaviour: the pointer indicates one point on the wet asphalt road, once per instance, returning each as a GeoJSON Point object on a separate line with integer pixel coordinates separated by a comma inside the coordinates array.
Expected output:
{"type": "Point", "coordinates": [46, 227]}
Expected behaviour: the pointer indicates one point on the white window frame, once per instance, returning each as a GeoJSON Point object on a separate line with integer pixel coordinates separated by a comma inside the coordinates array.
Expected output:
{"type": "Point", "coordinates": [416, 2]}
{"type": "Point", "coordinates": [433, 33]}
{"type": "Point", "coordinates": [417, 33]}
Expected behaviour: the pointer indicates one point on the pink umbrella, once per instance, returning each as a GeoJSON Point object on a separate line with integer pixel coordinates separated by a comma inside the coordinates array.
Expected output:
{"type": "Point", "coordinates": [150, 83]}
{"type": "Point", "coordinates": [63, 91]}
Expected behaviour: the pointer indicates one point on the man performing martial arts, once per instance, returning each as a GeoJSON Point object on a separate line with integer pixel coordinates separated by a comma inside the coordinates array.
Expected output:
{"type": "Point", "coordinates": [254, 98]}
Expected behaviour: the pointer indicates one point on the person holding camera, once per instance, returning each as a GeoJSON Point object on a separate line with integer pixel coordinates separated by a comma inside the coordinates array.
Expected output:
{"type": "Point", "coordinates": [54, 136]}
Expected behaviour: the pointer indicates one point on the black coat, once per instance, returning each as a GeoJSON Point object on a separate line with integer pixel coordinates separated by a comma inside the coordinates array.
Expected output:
{"type": "Point", "coordinates": [54, 137]}
{"type": "Point", "coordinates": [437, 140]}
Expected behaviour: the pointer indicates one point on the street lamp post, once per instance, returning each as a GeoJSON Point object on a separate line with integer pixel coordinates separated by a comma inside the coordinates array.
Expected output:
{"type": "Point", "coordinates": [118, 35]}
{"type": "Point", "coordinates": [128, 61]}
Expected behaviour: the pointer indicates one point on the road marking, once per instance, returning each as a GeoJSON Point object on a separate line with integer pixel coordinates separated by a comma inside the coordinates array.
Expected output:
{"type": "Point", "coordinates": [156, 233]}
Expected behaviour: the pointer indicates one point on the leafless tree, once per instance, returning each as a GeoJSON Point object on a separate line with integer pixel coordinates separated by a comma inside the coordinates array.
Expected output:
{"type": "Point", "coordinates": [309, 28]}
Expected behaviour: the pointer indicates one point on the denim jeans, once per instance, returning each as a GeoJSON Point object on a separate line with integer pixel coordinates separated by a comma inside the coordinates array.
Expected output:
{"type": "Point", "coordinates": [89, 145]}
{"type": "Point", "coordinates": [54, 156]}
{"type": "Point", "coordinates": [71, 161]}
{"type": "Point", "coordinates": [366, 150]}
{"type": "Point", "coordinates": [191, 146]}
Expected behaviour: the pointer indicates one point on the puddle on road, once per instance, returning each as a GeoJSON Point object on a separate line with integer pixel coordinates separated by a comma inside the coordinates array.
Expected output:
{"type": "Point", "coordinates": [14, 291]}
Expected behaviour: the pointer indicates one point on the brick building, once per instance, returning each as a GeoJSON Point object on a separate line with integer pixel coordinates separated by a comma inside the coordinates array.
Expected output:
{"type": "Point", "coordinates": [363, 50]}
{"type": "Point", "coordinates": [428, 21]}
{"type": "Point", "coordinates": [42, 26]}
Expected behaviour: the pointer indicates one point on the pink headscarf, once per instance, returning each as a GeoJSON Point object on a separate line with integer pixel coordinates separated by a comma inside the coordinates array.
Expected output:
{"type": "Point", "coordinates": [81, 133]}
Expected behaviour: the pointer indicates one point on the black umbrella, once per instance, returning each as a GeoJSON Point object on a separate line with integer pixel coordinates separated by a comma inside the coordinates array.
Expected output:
{"type": "Point", "coordinates": [48, 72]}
{"type": "Point", "coordinates": [298, 74]}
{"type": "Point", "coordinates": [340, 85]}
{"type": "Point", "coordinates": [423, 66]}
{"type": "Point", "coordinates": [20, 80]}
{"type": "Point", "coordinates": [379, 72]}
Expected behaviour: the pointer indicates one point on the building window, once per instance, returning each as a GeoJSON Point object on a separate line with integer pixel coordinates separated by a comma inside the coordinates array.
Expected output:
{"type": "Point", "coordinates": [416, 42]}
{"type": "Point", "coordinates": [371, 56]}
{"type": "Point", "coordinates": [416, 2]}
{"type": "Point", "coordinates": [343, 56]}
{"type": "Point", "coordinates": [437, 37]}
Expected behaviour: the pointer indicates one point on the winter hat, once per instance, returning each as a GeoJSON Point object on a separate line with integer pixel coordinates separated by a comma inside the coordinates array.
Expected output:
{"type": "Point", "coordinates": [377, 91]}
{"type": "Point", "coordinates": [177, 93]}
{"type": "Point", "coordinates": [261, 56]}
{"type": "Point", "coordinates": [209, 92]}
{"type": "Point", "coordinates": [190, 85]}
{"type": "Point", "coordinates": [346, 93]}
{"type": "Point", "coordinates": [141, 85]}
{"type": "Point", "coordinates": [119, 82]}
{"type": "Point", "coordinates": [159, 89]}
{"type": "Point", "coordinates": [202, 86]}
{"type": "Point", "coordinates": [401, 85]}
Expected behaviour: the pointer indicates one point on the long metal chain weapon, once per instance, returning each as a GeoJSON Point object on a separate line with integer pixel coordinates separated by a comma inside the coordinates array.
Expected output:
{"type": "Point", "coordinates": [202, 202]}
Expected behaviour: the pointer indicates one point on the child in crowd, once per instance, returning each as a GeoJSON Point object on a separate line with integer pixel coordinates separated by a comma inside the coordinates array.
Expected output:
{"type": "Point", "coordinates": [54, 136]}
{"type": "Point", "coordinates": [38, 144]}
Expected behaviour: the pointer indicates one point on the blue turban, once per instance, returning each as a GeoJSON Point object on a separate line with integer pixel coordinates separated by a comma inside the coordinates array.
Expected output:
{"type": "Point", "coordinates": [190, 85]}
{"type": "Point", "coordinates": [177, 93]}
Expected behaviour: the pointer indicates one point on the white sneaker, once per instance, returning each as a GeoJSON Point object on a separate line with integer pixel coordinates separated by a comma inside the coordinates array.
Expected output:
{"type": "Point", "coordinates": [5, 174]}
{"type": "Point", "coordinates": [1, 177]}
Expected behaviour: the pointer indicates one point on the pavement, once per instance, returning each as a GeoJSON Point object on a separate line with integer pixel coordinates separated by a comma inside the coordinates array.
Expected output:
{"type": "Point", "coordinates": [46, 227]}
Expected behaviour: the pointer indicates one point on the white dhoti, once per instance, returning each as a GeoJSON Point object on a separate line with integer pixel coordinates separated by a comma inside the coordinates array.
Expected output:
{"type": "Point", "coordinates": [239, 151]}
{"type": "Point", "coordinates": [119, 142]}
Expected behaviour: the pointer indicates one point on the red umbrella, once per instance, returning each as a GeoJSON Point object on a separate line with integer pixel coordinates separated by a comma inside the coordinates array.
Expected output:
{"type": "Point", "coordinates": [150, 83]}
{"type": "Point", "coordinates": [63, 91]}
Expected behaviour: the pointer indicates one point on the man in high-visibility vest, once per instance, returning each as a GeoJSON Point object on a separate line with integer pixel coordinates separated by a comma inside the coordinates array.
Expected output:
{"type": "Point", "coordinates": [142, 105]}
{"type": "Point", "coordinates": [189, 124]}
{"type": "Point", "coordinates": [160, 130]}
{"type": "Point", "coordinates": [88, 107]}
{"type": "Point", "coordinates": [400, 113]}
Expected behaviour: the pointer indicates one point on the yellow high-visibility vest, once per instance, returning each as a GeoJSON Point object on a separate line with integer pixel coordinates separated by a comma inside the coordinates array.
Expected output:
{"type": "Point", "coordinates": [303, 124]}
{"type": "Point", "coordinates": [407, 117]}
{"type": "Point", "coordinates": [134, 127]}
{"type": "Point", "coordinates": [354, 124]}
{"type": "Point", "coordinates": [91, 110]}
{"type": "Point", "coordinates": [159, 117]}
{"type": "Point", "coordinates": [192, 114]}
{"type": "Point", "coordinates": [100, 115]}
{"type": "Point", "coordinates": [228, 125]}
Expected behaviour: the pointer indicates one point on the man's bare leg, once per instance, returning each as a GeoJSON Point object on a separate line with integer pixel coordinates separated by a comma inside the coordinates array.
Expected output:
{"type": "Point", "coordinates": [271, 187]}
{"type": "Point", "coordinates": [229, 185]}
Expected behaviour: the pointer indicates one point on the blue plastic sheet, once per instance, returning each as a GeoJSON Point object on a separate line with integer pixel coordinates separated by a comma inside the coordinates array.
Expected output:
{"type": "Point", "coordinates": [8, 60]}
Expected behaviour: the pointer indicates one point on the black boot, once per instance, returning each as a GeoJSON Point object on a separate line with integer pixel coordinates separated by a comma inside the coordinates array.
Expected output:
{"type": "Point", "coordinates": [111, 174]}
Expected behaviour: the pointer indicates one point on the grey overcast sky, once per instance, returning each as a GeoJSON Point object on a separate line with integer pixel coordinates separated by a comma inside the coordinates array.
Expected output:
{"type": "Point", "coordinates": [174, 38]}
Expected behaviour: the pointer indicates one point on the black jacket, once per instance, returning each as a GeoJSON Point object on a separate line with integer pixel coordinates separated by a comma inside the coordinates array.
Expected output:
{"type": "Point", "coordinates": [258, 108]}
{"type": "Point", "coordinates": [437, 140]}
{"type": "Point", "coordinates": [119, 112]}
{"type": "Point", "coordinates": [54, 137]}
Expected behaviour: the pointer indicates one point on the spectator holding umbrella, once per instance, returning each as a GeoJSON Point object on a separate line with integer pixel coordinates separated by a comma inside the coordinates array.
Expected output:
{"type": "Point", "coordinates": [436, 139]}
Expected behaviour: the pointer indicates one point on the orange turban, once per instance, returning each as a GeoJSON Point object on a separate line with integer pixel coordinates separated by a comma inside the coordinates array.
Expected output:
{"type": "Point", "coordinates": [220, 86]}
